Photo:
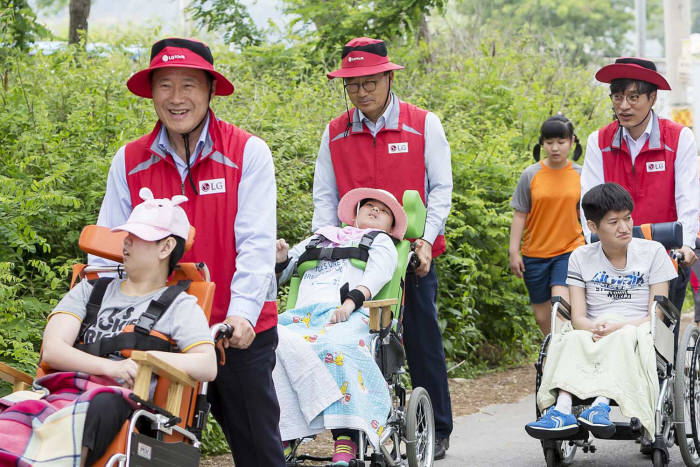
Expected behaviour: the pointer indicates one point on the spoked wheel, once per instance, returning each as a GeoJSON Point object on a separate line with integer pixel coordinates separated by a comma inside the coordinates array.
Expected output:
{"type": "Point", "coordinates": [420, 429]}
{"type": "Point", "coordinates": [686, 394]}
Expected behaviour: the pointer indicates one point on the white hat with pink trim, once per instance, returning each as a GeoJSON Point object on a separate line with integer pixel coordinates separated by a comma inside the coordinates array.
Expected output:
{"type": "Point", "coordinates": [155, 219]}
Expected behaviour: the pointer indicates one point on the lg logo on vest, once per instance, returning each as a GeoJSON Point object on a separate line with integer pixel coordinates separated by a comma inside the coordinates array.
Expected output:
{"type": "Point", "coordinates": [398, 148]}
{"type": "Point", "coordinates": [210, 187]}
{"type": "Point", "coordinates": [656, 166]}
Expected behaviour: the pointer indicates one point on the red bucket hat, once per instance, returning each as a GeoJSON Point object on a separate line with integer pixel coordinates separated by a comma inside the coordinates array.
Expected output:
{"type": "Point", "coordinates": [363, 56]}
{"type": "Point", "coordinates": [633, 68]}
{"type": "Point", "coordinates": [178, 53]}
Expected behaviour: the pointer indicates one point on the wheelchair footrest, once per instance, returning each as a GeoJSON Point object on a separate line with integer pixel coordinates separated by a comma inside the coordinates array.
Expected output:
{"type": "Point", "coordinates": [625, 430]}
{"type": "Point", "coordinates": [150, 452]}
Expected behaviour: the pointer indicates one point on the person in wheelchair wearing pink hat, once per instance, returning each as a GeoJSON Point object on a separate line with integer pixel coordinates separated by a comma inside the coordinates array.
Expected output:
{"type": "Point", "coordinates": [228, 176]}
{"type": "Point", "coordinates": [329, 314]}
{"type": "Point", "coordinates": [386, 143]}
{"type": "Point", "coordinates": [653, 158]}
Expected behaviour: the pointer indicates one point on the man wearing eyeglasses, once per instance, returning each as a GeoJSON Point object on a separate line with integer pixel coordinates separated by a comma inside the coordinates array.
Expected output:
{"type": "Point", "coordinates": [385, 143]}
{"type": "Point", "coordinates": [653, 158]}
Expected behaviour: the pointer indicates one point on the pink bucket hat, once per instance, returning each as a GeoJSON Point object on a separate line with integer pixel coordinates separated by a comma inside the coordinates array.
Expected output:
{"type": "Point", "coordinates": [633, 68]}
{"type": "Point", "coordinates": [175, 52]}
{"type": "Point", "coordinates": [363, 56]}
{"type": "Point", "coordinates": [347, 208]}
{"type": "Point", "coordinates": [155, 219]}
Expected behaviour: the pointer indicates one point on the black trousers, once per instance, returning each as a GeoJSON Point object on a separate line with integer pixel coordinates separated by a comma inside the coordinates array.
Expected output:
{"type": "Point", "coordinates": [424, 351]}
{"type": "Point", "coordinates": [244, 402]}
{"type": "Point", "coordinates": [106, 414]}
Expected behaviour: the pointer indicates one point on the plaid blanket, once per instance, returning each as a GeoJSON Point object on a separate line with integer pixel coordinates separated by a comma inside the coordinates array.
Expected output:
{"type": "Point", "coordinates": [45, 426]}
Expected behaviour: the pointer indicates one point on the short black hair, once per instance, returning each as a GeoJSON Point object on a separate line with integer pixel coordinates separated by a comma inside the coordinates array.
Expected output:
{"type": "Point", "coordinates": [620, 85]}
{"type": "Point", "coordinates": [177, 252]}
{"type": "Point", "coordinates": [604, 198]}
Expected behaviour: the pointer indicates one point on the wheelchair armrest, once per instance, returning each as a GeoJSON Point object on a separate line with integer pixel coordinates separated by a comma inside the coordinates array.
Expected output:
{"type": "Point", "coordinates": [669, 309]}
{"type": "Point", "coordinates": [564, 308]}
{"type": "Point", "coordinates": [18, 379]}
{"type": "Point", "coordinates": [149, 364]}
{"type": "Point", "coordinates": [379, 313]}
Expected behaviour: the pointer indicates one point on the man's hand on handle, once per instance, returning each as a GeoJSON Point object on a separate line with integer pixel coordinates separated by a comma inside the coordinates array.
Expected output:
{"type": "Point", "coordinates": [424, 250]}
{"type": "Point", "coordinates": [243, 333]}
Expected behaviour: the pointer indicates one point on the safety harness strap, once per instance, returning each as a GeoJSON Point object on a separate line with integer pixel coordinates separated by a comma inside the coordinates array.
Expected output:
{"type": "Point", "coordinates": [359, 252]}
{"type": "Point", "coordinates": [99, 287]}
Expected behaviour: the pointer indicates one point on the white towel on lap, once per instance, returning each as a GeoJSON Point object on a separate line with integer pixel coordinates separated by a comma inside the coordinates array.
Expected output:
{"type": "Point", "coordinates": [303, 384]}
{"type": "Point", "coordinates": [620, 366]}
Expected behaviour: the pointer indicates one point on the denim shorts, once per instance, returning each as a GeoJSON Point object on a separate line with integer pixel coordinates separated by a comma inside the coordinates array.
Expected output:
{"type": "Point", "coordinates": [541, 274]}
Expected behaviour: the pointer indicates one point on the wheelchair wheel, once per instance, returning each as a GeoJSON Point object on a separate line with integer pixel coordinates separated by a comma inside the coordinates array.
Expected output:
{"type": "Point", "coordinates": [657, 458]}
{"type": "Point", "coordinates": [686, 392]}
{"type": "Point", "coordinates": [551, 456]}
{"type": "Point", "coordinates": [568, 451]}
{"type": "Point", "coordinates": [420, 429]}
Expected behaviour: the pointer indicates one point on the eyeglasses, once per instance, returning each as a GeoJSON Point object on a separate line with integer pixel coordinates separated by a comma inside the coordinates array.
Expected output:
{"type": "Point", "coordinates": [353, 88]}
{"type": "Point", "coordinates": [617, 98]}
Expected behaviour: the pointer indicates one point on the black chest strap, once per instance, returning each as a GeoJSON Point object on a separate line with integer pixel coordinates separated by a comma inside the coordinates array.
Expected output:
{"type": "Point", "coordinates": [359, 252]}
{"type": "Point", "coordinates": [141, 338]}
{"type": "Point", "coordinates": [99, 287]}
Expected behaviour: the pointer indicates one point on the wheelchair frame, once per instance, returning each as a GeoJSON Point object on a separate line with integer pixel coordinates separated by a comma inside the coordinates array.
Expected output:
{"type": "Point", "coordinates": [411, 422]}
{"type": "Point", "coordinates": [679, 391]}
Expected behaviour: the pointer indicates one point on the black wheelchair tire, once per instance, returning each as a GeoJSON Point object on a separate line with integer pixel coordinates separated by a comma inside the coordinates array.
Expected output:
{"type": "Point", "coordinates": [689, 451]}
{"type": "Point", "coordinates": [694, 388]}
{"type": "Point", "coordinates": [552, 456]}
{"type": "Point", "coordinates": [657, 458]}
{"type": "Point", "coordinates": [420, 429]}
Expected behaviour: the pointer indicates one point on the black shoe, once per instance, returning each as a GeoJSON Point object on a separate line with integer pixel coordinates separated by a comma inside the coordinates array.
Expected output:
{"type": "Point", "coordinates": [441, 446]}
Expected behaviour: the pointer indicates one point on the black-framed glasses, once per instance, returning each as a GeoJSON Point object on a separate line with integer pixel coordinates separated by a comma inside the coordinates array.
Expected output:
{"type": "Point", "coordinates": [368, 85]}
{"type": "Point", "coordinates": [618, 97]}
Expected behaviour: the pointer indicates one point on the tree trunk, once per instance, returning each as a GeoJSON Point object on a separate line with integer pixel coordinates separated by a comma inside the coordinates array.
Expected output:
{"type": "Point", "coordinates": [79, 11]}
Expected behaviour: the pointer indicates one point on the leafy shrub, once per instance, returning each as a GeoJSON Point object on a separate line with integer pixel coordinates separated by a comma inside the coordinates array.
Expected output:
{"type": "Point", "coordinates": [63, 116]}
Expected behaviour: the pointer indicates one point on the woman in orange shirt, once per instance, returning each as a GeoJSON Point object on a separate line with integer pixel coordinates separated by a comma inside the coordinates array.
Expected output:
{"type": "Point", "coordinates": [545, 209]}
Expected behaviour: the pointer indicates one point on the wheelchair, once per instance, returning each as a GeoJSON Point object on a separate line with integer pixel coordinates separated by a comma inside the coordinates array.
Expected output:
{"type": "Point", "coordinates": [409, 434]}
{"type": "Point", "coordinates": [178, 409]}
{"type": "Point", "coordinates": [676, 412]}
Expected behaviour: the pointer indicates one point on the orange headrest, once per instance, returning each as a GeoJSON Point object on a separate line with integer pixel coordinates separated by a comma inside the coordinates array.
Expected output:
{"type": "Point", "coordinates": [101, 241]}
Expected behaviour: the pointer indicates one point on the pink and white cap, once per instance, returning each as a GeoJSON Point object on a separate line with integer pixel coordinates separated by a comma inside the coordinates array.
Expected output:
{"type": "Point", "coordinates": [348, 207]}
{"type": "Point", "coordinates": [155, 219]}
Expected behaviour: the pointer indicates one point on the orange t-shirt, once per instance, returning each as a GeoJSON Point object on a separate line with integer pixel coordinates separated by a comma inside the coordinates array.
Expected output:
{"type": "Point", "coordinates": [550, 198]}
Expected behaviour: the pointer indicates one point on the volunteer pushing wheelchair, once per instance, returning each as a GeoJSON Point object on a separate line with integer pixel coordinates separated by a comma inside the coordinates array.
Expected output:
{"type": "Point", "coordinates": [618, 345]}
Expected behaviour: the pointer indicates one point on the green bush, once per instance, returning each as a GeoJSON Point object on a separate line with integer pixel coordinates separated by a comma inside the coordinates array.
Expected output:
{"type": "Point", "coordinates": [63, 116]}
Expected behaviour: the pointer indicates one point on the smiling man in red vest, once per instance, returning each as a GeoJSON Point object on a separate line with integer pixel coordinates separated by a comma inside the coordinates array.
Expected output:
{"type": "Point", "coordinates": [392, 145]}
{"type": "Point", "coordinates": [653, 158]}
{"type": "Point", "coordinates": [228, 176]}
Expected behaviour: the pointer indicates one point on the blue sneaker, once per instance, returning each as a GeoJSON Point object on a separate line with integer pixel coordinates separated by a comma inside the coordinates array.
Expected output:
{"type": "Point", "coordinates": [597, 420]}
{"type": "Point", "coordinates": [553, 425]}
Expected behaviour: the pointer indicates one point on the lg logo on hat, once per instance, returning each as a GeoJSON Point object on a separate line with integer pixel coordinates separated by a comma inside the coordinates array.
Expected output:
{"type": "Point", "coordinates": [354, 59]}
{"type": "Point", "coordinates": [210, 187]}
{"type": "Point", "coordinates": [398, 148]}
{"type": "Point", "coordinates": [173, 57]}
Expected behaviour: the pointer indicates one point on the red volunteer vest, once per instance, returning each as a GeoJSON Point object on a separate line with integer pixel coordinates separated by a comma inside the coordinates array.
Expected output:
{"type": "Point", "coordinates": [212, 212]}
{"type": "Point", "coordinates": [392, 160]}
{"type": "Point", "coordinates": [651, 181]}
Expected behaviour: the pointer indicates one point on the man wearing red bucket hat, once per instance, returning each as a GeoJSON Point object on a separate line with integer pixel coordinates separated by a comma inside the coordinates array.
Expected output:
{"type": "Point", "coordinates": [653, 158]}
{"type": "Point", "coordinates": [228, 176]}
{"type": "Point", "coordinates": [389, 144]}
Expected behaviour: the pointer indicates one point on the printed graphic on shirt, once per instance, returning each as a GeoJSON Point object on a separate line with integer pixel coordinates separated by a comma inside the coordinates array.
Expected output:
{"type": "Point", "coordinates": [110, 322]}
{"type": "Point", "coordinates": [210, 187]}
{"type": "Point", "coordinates": [398, 148]}
{"type": "Point", "coordinates": [618, 287]}
{"type": "Point", "coordinates": [656, 166]}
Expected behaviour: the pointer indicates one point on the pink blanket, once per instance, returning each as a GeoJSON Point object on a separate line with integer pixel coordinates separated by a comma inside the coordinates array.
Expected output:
{"type": "Point", "coordinates": [49, 430]}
